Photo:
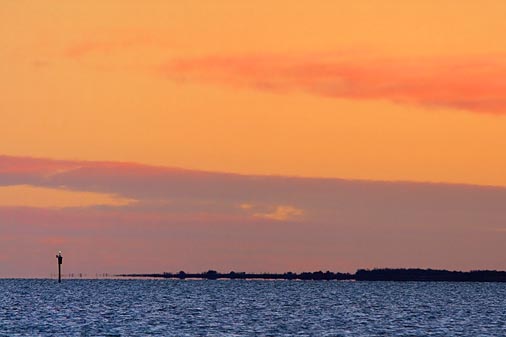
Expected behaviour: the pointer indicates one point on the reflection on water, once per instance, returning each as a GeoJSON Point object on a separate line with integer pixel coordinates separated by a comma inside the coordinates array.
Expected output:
{"type": "Point", "coordinates": [250, 308]}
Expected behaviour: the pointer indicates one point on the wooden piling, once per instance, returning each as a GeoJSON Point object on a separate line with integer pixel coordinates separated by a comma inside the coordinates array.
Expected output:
{"type": "Point", "coordinates": [60, 261]}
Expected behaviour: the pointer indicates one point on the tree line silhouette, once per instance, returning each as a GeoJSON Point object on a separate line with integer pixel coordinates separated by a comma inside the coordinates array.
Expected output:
{"type": "Point", "coordinates": [386, 274]}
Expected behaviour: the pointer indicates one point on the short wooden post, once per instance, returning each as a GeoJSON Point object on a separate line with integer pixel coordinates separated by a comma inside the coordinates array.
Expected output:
{"type": "Point", "coordinates": [60, 261]}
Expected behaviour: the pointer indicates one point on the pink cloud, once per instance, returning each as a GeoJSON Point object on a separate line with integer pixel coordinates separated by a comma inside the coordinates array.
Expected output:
{"type": "Point", "coordinates": [26, 165]}
{"type": "Point", "coordinates": [119, 40]}
{"type": "Point", "coordinates": [475, 84]}
{"type": "Point", "coordinates": [194, 220]}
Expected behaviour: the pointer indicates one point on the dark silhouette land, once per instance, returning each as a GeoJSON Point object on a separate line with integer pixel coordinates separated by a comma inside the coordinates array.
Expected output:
{"type": "Point", "coordinates": [424, 275]}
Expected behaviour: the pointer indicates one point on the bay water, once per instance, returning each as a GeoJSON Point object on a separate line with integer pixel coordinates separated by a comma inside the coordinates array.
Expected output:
{"type": "Point", "coordinates": [42, 307]}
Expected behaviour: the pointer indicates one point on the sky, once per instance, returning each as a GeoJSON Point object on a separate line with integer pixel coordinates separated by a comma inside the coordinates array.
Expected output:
{"type": "Point", "coordinates": [264, 136]}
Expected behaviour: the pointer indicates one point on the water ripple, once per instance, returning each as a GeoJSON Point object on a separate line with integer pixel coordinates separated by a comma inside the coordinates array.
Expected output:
{"type": "Point", "coordinates": [250, 308]}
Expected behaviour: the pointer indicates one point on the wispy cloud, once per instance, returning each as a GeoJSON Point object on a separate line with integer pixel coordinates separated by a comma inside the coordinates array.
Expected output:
{"type": "Point", "coordinates": [282, 213]}
{"type": "Point", "coordinates": [177, 188]}
{"type": "Point", "coordinates": [475, 84]}
{"type": "Point", "coordinates": [87, 48]}
{"type": "Point", "coordinates": [115, 41]}
{"type": "Point", "coordinates": [30, 196]}
{"type": "Point", "coordinates": [472, 83]}
{"type": "Point", "coordinates": [277, 212]}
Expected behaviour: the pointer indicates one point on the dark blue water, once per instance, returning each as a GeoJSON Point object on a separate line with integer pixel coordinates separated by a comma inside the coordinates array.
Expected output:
{"type": "Point", "coordinates": [250, 308]}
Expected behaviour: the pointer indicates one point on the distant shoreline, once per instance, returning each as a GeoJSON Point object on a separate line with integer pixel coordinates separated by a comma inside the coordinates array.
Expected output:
{"type": "Point", "coordinates": [412, 274]}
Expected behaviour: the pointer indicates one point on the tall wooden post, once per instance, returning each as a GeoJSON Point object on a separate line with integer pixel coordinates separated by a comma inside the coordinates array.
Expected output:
{"type": "Point", "coordinates": [60, 261]}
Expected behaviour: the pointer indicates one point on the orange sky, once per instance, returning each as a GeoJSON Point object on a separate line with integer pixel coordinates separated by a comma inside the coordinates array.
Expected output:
{"type": "Point", "coordinates": [370, 90]}
{"type": "Point", "coordinates": [82, 81]}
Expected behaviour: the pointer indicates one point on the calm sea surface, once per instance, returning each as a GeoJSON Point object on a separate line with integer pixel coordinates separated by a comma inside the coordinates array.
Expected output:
{"type": "Point", "coordinates": [250, 308]}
